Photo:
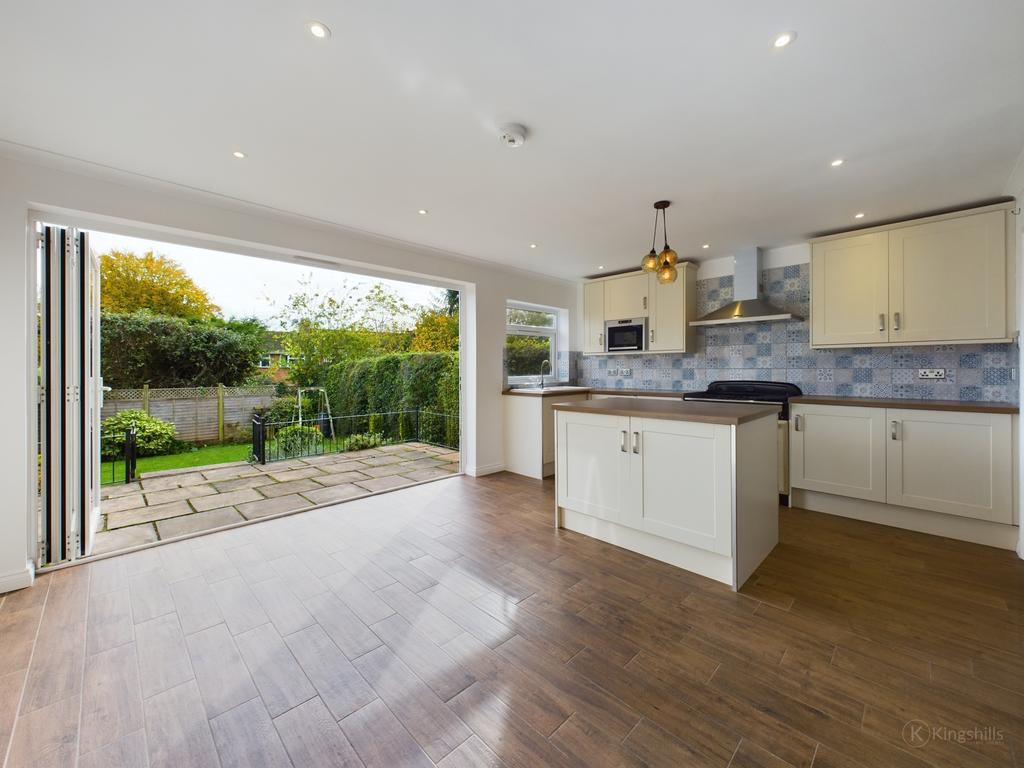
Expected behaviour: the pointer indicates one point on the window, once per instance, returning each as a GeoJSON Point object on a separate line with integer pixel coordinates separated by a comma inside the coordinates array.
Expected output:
{"type": "Point", "coordinates": [529, 341]}
{"type": "Point", "coordinates": [264, 361]}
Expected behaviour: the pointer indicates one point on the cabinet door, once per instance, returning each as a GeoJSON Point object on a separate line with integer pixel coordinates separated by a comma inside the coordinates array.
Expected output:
{"type": "Point", "coordinates": [593, 318]}
{"type": "Point", "coordinates": [838, 449]}
{"type": "Point", "coordinates": [592, 463]}
{"type": "Point", "coordinates": [672, 307]}
{"type": "Point", "coordinates": [850, 291]}
{"type": "Point", "coordinates": [957, 463]}
{"type": "Point", "coordinates": [681, 480]}
{"type": "Point", "coordinates": [947, 279]}
{"type": "Point", "coordinates": [625, 297]}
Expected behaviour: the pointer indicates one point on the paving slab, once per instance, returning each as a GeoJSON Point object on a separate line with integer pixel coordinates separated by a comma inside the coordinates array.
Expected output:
{"type": "Point", "coordinates": [230, 473]}
{"type": "Point", "coordinates": [264, 507]}
{"type": "Point", "coordinates": [453, 456]}
{"type": "Point", "coordinates": [339, 478]}
{"type": "Point", "coordinates": [335, 493]}
{"type": "Point", "coordinates": [173, 494]}
{"type": "Point", "coordinates": [231, 498]}
{"type": "Point", "coordinates": [252, 481]}
{"type": "Point", "coordinates": [123, 538]}
{"type": "Point", "coordinates": [119, 503]}
{"type": "Point", "coordinates": [112, 491]}
{"type": "Point", "coordinates": [291, 486]}
{"type": "Point", "coordinates": [148, 514]}
{"type": "Point", "coordinates": [385, 471]}
{"type": "Point", "coordinates": [294, 474]}
{"type": "Point", "coordinates": [380, 461]}
{"type": "Point", "coordinates": [385, 483]}
{"type": "Point", "coordinates": [200, 521]}
{"type": "Point", "coordinates": [432, 473]}
{"type": "Point", "coordinates": [422, 464]}
{"type": "Point", "coordinates": [163, 482]}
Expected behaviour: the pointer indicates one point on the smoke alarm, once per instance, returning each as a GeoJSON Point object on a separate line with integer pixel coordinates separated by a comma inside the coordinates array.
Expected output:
{"type": "Point", "coordinates": [512, 135]}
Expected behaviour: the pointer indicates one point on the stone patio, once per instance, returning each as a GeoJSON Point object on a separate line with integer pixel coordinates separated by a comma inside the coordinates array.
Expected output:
{"type": "Point", "coordinates": [164, 505]}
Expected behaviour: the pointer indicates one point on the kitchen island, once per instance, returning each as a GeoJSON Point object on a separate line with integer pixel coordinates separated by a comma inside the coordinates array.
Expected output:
{"type": "Point", "coordinates": [693, 484]}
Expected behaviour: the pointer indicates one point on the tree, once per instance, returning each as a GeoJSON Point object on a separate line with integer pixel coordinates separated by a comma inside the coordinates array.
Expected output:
{"type": "Point", "coordinates": [150, 282]}
{"type": "Point", "coordinates": [145, 348]}
{"type": "Point", "coordinates": [436, 331]}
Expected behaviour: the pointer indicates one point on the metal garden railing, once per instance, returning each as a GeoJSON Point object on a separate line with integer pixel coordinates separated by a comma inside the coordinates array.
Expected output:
{"type": "Point", "coordinates": [275, 441]}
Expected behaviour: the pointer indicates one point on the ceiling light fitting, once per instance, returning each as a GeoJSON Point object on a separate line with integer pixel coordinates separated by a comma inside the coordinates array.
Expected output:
{"type": "Point", "coordinates": [319, 30]}
{"type": "Point", "coordinates": [858, 215]}
{"type": "Point", "coordinates": [783, 39]}
{"type": "Point", "coordinates": [238, 154]}
{"type": "Point", "coordinates": [662, 264]}
{"type": "Point", "coordinates": [422, 211]}
{"type": "Point", "coordinates": [533, 245]}
{"type": "Point", "coordinates": [837, 162]}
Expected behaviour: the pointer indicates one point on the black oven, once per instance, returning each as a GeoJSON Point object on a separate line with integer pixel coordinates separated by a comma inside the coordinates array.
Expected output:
{"type": "Point", "coordinates": [625, 335]}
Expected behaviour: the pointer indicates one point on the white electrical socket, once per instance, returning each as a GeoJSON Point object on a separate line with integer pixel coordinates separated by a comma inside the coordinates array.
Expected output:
{"type": "Point", "coordinates": [931, 373]}
{"type": "Point", "coordinates": [625, 372]}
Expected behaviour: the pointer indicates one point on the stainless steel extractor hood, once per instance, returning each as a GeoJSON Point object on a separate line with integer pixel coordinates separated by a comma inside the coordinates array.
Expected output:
{"type": "Point", "coordinates": [748, 306]}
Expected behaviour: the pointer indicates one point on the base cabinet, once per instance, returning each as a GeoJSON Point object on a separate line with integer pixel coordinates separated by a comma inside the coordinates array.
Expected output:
{"type": "Point", "coordinates": [671, 479]}
{"type": "Point", "coordinates": [944, 461]}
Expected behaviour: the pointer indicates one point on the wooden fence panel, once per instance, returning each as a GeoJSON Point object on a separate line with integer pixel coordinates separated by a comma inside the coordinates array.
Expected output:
{"type": "Point", "coordinates": [194, 410]}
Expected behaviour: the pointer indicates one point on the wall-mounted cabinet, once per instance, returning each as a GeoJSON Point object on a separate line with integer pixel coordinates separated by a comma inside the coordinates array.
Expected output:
{"type": "Point", "coordinates": [668, 309]}
{"type": "Point", "coordinates": [946, 279]}
{"type": "Point", "coordinates": [944, 461]}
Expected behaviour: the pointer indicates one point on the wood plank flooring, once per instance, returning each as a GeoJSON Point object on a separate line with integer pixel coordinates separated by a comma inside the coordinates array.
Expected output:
{"type": "Point", "coordinates": [449, 624]}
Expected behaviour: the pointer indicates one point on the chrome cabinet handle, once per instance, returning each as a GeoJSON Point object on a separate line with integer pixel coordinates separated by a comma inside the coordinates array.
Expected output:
{"type": "Point", "coordinates": [636, 442]}
{"type": "Point", "coordinates": [645, 302]}
{"type": "Point", "coordinates": [893, 428]}
{"type": "Point", "coordinates": [896, 321]}
{"type": "Point", "coordinates": [600, 339]}
{"type": "Point", "coordinates": [798, 423]}
{"type": "Point", "coordinates": [881, 321]}
{"type": "Point", "coordinates": [651, 334]}
{"type": "Point", "coordinates": [622, 442]}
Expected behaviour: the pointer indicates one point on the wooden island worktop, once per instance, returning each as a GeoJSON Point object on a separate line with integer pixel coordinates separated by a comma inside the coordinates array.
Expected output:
{"type": "Point", "coordinates": [693, 484]}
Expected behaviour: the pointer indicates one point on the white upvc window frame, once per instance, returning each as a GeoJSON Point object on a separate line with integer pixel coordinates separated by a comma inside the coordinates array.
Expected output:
{"type": "Point", "coordinates": [534, 330]}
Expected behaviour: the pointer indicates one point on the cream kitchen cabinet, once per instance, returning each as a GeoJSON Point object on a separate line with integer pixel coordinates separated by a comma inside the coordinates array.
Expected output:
{"type": "Point", "coordinates": [593, 317]}
{"type": "Point", "coordinates": [939, 280]}
{"type": "Point", "coordinates": [957, 463]}
{"type": "Point", "coordinates": [850, 291]}
{"type": "Point", "coordinates": [668, 309]}
{"type": "Point", "coordinates": [838, 450]}
{"type": "Point", "coordinates": [626, 297]}
{"type": "Point", "coordinates": [674, 481]}
{"type": "Point", "coordinates": [672, 307]}
{"type": "Point", "coordinates": [951, 462]}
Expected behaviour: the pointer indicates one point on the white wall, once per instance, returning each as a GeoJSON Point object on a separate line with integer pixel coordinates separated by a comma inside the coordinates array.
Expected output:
{"type": "Point", "coordinates": [69, 190]}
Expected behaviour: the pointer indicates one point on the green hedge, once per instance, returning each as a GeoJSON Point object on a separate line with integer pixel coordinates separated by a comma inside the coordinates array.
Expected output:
{"type": "Point", "coordinates": [401, 382]}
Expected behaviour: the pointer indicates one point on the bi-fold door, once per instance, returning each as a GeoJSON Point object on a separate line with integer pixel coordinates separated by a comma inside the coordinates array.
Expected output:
{"type": "Point", "coordinates": [70, 392]}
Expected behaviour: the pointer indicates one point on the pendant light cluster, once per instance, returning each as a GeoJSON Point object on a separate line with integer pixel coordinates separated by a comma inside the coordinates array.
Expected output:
{"type": "Point", "coordinates": [662, 264]}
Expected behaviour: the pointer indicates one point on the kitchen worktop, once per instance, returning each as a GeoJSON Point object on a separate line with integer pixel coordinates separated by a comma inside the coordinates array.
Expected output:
{"type": "Point", "coordinates": [964, 406]}
{"type": "Point", "coordinates": [680, 410]}
{"type": "Point", "coordinates": [563, 389]}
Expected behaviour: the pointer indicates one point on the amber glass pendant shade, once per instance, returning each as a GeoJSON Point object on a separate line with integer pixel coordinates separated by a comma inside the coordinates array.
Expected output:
{"type": "Point", "coordinates": [667, 273]}
{"type": "Point", "coordinates": [668, 256]}
{"type": "Point", "coordinates": [650, 262]}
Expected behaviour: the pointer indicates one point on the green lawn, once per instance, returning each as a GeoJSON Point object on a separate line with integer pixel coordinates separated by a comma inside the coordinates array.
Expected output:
{"type": "Point", "coordinates": [113, 472]}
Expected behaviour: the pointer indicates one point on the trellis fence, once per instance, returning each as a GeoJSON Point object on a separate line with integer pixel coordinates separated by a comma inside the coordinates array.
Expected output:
{"type": "Point", "coordinates": [199, 414]}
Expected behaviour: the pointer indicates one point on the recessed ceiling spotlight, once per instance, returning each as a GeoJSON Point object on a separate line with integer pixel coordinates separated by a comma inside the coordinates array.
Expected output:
{"type": "Point", "coordinates": [783, 39]}
{"type": "Point", "coordinates": [533, 245]}
{"type": "Point", "coordinates": [858, 215]}
{"type": "Point", "coordinates": [319, 30]}
{"type": "Point", "coordinates": [600, 266]}
{"type": "Point", "coordinates": [837, 162]}
{"type": "Point", "coordinates": [422, 211]}
{"type": "Point", "coordinates": [706, 246]}
{"type": "Point", "coordinates": [238, 154]}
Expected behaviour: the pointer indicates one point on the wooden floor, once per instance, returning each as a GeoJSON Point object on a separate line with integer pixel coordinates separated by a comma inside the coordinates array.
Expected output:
{"type": "Point", "coordinates": [450, 624]}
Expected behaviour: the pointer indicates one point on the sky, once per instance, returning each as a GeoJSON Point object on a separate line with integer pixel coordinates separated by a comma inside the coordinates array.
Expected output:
{"type": "Point", "coordinates": [248, 286]}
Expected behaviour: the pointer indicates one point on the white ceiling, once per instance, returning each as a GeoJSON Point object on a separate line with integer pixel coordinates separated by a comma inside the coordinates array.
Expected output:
{"type": "Point", "coordinates": [626, 103]}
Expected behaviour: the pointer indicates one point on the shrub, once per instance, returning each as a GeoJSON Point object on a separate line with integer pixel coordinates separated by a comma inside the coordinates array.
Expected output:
{"type": "Point", "coordinates": [362, 440]}
{"type": "Point", "coordinates": [298, 441]}
{"type": "Point", "coordinates": [153, 436]}
{"type": "Point", "coordinates": [282, 409]}
{"type": "Point", "coordinates": [144, 348]}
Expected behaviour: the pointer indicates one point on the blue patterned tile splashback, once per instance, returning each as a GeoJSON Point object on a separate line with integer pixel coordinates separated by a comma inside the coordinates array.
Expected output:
{"type": "Point", "coordinates": [780, 351]}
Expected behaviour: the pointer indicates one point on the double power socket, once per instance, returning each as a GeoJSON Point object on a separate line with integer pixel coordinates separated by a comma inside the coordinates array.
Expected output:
{"type": "Point", "coordinates": [623, 372]}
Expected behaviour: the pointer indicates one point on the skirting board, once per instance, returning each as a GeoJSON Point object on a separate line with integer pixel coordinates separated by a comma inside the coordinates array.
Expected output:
{"type": "Point", "coordinates": [921, 520]}
{"type": "Point", "coordinates": [19, 580]}
{"type": "Point", "coordinates": [699, 561]}
{"type": "Point", "coordinates": [485, 469]}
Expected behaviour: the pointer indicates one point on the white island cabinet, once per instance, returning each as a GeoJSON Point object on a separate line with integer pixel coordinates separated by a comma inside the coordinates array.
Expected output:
{"type": "Point", "coordinates": [692, 484]}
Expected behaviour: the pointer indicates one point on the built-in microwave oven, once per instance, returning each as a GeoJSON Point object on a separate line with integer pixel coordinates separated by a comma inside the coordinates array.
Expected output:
{"type": "Point", "coordinates": [625, 335]}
